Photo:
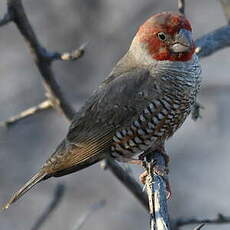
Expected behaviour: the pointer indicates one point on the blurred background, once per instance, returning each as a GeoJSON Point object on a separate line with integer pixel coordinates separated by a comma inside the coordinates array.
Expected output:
{"type": "Point", "coordinates": [200, 157]}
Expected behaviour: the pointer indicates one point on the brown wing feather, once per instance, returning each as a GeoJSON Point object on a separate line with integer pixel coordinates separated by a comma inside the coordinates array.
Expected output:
{"type": "Point", "coordinates": [113, 105]}
{"type": "Point", "coordinates": [71, 157]}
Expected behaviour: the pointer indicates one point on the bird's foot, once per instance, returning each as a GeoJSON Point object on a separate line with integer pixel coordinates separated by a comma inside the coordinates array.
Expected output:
{"type": "Point", "coordinates": [160, 149]}
{"type": "Point", "coordinates": [161, 171]}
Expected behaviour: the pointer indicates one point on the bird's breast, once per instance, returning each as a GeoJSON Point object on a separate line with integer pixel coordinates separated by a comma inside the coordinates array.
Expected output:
{"type": "Point", "coordinates": [176, 87]}
{"type": "Point", "coordinates": [158, 121]}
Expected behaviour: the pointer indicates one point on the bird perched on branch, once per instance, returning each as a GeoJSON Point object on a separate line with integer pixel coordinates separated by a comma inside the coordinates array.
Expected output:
{"type": "Point", "coordinates": [144, 100]}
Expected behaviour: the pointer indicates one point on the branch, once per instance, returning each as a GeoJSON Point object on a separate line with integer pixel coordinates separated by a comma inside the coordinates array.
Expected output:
{"type": "Point", "coordinates": [28, 112]}
{"type": "Point", "coordinates": [199, 227]}
{"type": "Point", "coordinates": [57, 198]}
{"type": "Point", "coordinates": [156, 190]}
{"type": "Point", "coordinates": [213, 41]}
{"type": "Point", "coordinates": [221, 219]}
{"type": "Point", "coordinates": [72, 56]}
{"type": "Point", "coordinates": [67, 56]}
{"type": "Point", "coordinates": [5, 19]}
{"type": "Point", "coordinates": [181, 6]}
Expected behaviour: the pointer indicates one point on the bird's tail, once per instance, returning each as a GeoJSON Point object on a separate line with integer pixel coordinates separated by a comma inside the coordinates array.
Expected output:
{"type": "Point", "coordinates": [33, 181]}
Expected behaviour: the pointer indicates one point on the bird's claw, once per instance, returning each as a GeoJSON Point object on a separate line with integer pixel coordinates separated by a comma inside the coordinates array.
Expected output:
{"type": "Point", "coordinates": [161, 171]}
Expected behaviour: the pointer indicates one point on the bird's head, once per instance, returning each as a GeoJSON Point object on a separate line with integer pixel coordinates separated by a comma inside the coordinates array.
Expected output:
{"type": "Point", "coordinates": [165, 36]}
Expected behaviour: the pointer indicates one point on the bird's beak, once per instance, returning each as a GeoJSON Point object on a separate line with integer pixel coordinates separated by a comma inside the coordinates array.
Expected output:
{"type": "Point", "coordinates": [183, 41]}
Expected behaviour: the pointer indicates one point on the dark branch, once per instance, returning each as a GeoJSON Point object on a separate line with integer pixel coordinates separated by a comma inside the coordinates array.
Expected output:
{"type": "Point", "coordinates": [199, 227]}
{"type": "Point", "coordinates": [181, 6]}
{"type": "Point", "coordinates": [213, 41]}
{"type": "Point", "coordinates": [67, 56]}
{"type": "Point", "coordinates": [5, 19]}
{"type": "Point", "coordinates": [57, 198]}
{"type": "Point", "coordinates": [221, 219]}
{"type": "Point", "coordinates": [26, 113]}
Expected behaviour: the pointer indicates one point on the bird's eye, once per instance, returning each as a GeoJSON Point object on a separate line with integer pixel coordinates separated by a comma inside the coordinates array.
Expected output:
{"type": "Point", "coordinates": [161, 36]}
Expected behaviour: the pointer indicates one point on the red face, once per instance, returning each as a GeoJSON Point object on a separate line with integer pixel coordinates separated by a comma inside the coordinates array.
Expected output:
{"type": "Point", "coordinates": [167, 36]}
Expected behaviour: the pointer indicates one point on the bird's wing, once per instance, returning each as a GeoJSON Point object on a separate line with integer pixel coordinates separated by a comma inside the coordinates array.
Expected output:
{"type": "Point", "coordinates": [113, 105]}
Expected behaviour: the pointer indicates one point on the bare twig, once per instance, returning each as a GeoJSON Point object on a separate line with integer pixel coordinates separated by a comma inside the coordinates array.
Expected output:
{"type": "Point", "coordinates": [57, 198]}
{"type": "Point", "coordinates": [226, 7]}
{"type": "Point", "coordinates": [66, 56]}
{"type": "Point", "coordinates": [156, 190]}
{"type": "Point", "coordinates": [129, 182]}
{"type": "Point", "coordinates": [5, 19]}
{"type": "Point", "coordinates": [28, 112]}
{"type": "Point", "coordinates": [220, 219]}
{"type": "Point", "coordinates": [82, 220]}
{"type": "Point", "coordinates": [74, 55]}
{"type": "Point", "coordinates": [199, 227]}
{"type": "Point", "coordinates": [213, 41]}
{"type": "Point", "coordinates": [181, 6]}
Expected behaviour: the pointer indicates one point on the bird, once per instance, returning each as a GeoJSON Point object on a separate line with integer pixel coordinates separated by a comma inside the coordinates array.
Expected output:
{"type": "Point", "coordinates": [140, 105]}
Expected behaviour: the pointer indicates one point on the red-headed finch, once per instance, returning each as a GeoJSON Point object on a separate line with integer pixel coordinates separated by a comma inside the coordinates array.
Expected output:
{"type": "Point", "coordinates": [146, 98]}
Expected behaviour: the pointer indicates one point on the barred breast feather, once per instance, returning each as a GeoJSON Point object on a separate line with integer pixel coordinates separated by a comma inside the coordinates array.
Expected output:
{"type": "Point", "coordinates": [165, 112]}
